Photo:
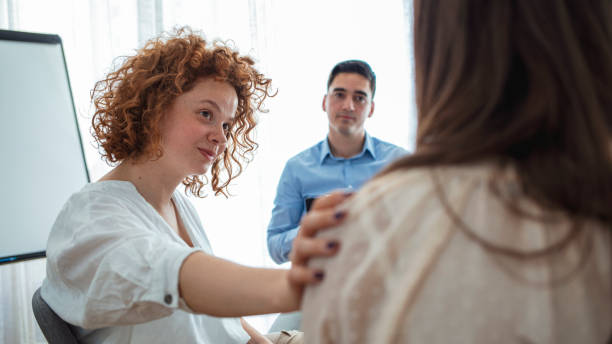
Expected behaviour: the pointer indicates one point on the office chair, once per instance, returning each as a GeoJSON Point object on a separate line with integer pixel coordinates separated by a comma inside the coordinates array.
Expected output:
{"type": "Point", "coordinates": [54, 328]}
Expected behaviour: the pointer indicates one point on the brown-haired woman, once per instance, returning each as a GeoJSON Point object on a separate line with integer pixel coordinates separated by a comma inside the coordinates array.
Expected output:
{"type": "Point", "coordinates": [498, 229]}
{"type": "Point", "coordinates": [127, 259]}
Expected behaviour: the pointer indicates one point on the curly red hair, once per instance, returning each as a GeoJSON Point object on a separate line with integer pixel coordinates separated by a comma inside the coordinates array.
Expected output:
{"type": "Point", "coordinates": [131, 100]}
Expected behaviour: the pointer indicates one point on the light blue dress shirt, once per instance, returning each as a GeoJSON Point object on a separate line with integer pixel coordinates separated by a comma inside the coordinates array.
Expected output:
{"type": "Point", "coordinates": [313, 173]}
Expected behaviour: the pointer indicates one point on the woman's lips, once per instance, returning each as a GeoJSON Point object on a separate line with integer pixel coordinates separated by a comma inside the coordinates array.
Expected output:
{"type": "Point", "coordinates": [208, 154]}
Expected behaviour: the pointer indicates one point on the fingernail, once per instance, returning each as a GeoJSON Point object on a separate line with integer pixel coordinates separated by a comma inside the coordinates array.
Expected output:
{"type": "Point", "coordinates": [332, 245]}
{"type": "Point", "coordinates": [348, 194]}
{"type": "Point", "coordinates": [339, 215]}
{"type": "Point", "coordinates": [319, 275]}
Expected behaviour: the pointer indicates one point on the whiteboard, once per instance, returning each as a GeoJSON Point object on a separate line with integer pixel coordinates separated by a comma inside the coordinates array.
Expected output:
{"type": "Point", "coordinates": [41, 156]}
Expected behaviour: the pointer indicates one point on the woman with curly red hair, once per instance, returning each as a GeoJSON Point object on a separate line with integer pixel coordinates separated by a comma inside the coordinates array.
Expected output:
{"type": "Point", "coordinates": [127, 259]}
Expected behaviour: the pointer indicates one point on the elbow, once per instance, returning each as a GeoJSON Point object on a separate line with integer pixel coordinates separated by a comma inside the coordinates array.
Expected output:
{"type": "Point", "coordinates": [278, 260]}
{"type": "Point", "coordinates": [275, 250]}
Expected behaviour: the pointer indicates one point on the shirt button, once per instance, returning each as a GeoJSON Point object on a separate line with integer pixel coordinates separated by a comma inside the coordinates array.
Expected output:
{"type": "Point", "coordinates": [168, 299]}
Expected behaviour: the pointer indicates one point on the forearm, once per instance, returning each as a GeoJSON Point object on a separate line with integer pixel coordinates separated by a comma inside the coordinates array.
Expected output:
{"type": "Point", "coordinates": [286, 214]}
{"type": "Point", "coordinates": [279, 244]}
{"type": "Point", "coordinates": [217, 287]}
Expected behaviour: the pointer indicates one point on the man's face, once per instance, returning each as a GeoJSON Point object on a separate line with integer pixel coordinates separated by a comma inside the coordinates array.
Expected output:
{"type": "Point", "coordinates": [348, 103]}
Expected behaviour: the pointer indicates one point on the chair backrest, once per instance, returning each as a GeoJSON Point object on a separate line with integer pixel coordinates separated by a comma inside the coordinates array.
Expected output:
{"type": "Point", "coordinates": [54, 328]}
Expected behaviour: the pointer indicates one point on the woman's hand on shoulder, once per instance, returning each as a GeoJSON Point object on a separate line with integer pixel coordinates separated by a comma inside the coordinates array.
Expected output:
{"type": "Point", "coordinates": [323, 214]}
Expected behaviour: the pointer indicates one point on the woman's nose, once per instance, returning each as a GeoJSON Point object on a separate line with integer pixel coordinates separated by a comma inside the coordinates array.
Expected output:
{"type": "Point", "coordinates": [219, 137]}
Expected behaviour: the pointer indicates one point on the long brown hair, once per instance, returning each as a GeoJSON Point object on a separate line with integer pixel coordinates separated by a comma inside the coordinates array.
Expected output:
{"type": "Point", "coordinates": [522, 82]}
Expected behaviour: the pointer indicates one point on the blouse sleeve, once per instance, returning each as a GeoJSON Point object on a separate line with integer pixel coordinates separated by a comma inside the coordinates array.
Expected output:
{"type": "Point", "coordinates": [108, 264]}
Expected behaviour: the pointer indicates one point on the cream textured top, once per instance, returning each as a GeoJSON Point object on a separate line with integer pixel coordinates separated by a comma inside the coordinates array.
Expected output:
{"type": "Point", "coordinates": [408, 273]}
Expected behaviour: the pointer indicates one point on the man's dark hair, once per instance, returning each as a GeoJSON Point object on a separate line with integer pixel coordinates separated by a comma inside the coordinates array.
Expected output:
{"type": "Point", "coordinates": [354, 66]}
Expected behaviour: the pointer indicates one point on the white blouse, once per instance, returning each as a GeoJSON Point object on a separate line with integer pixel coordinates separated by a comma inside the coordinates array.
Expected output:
{"type": "Point", "coordinates": [113, 265]}
{"type": "Point", "coordinates": [407, 272]}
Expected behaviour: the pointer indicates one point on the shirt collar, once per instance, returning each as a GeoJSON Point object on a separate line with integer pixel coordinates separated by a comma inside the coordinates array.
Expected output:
{"type": "Point", "coordinates": [368, 146]}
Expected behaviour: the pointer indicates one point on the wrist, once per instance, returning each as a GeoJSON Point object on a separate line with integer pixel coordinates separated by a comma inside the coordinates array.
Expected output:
{"type": "Point", "coordinates": [289, 297]}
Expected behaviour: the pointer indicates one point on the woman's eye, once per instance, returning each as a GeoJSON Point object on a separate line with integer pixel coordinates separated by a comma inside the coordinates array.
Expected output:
{"type": "Point", "coordinates": [206, 114]}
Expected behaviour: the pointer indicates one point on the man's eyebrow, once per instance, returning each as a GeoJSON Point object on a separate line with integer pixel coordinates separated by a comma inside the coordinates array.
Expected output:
{"type": "Point", "coordinates": [342, 89]}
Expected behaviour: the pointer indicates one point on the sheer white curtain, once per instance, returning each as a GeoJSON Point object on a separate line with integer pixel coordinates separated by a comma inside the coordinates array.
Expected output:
{"type": "Point", "coordinates": [296, 43]}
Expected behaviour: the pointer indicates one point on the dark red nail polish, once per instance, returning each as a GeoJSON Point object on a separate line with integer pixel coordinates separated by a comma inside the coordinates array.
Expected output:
{"type": "Point", "coordinates": [339, 215]}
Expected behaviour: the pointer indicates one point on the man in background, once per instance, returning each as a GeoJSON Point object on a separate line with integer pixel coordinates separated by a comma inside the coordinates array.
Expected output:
{"type": "Point", "coordinates": [346, 159]}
